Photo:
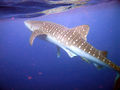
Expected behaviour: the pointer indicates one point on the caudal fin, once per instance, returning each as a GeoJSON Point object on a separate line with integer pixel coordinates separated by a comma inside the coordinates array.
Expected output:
{"type": "Point", "coordinates": [117, 82]}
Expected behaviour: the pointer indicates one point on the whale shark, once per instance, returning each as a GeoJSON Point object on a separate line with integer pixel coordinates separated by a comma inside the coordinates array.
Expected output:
{"type": "Point", "coordinates": [72, 40]}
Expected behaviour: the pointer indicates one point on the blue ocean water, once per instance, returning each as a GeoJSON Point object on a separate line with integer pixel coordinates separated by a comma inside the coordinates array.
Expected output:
{"type": "Point", "coordinates": [26, 67]}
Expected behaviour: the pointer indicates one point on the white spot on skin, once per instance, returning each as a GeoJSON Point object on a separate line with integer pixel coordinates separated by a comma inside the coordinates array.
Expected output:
{"type": "Point", "coordinates": [67, 32]}
{"type": "Point", "coordinates": [62, 39]}
{"type": "Point", "coordinates": [58, 37]}
{"type": "Point", "coordinates": [93, 54]}
{"type": "Point", "coordinates": [54, 33]}
{"type": "Point", "coordinates": [73, 33]}
{"type": "Point", "coordinates": [84, 49]}
{"type": "Point", "coordinates": [109, 63]}
{"type": "Point", "coordinates": [71, 36]}
{"type": "Point", "coordinates": [98, 55]}
{"type": "Point", "coordinates": [82, 43]}
{"type": "Point", "coordinates": [79, 47]}
{"type": "Point", "coordinates": [73, 42]}
{"type": "Point", "coordinates": [68, 38]}
{"type": "Point", "coordinates": [89, 52]}
{"type": "Point", "coordinates": [49, 30]}
{"type": "Point", "coordinates": [91, 48]}
{"type": "Point", "coordinates": [61, 32]}
{"type": "Point", "coordinates": [104, 60]}
{"type": "Point", "coordinates": [66, 43]}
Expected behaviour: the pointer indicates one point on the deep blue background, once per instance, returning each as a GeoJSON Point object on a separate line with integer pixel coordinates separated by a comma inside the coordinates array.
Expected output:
{"type": "Point", "coordinates": [25, 67]}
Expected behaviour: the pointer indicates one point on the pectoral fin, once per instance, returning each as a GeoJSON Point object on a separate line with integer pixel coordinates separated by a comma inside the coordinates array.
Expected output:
{"type": "Point", "coordinates": [34, 35]}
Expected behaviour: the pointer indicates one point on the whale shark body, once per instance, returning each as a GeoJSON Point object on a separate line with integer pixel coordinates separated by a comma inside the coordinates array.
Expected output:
{"type": "Point", "coordinates": [73, 41]}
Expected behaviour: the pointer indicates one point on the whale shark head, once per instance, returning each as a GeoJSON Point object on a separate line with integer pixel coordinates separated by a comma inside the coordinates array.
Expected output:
{"type": "Point", "coordinates": [33, 25]}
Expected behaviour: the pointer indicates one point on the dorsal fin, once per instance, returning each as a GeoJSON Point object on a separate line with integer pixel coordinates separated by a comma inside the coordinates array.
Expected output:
{"type": "Point", "coordinates": [104, 53]}
{"type": "Point", "coordinates": [34, 35]}
{"type": "Point", "coordinates": [82, 30]}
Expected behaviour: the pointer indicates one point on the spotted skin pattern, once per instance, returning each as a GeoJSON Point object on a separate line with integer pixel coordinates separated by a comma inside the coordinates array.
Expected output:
{"type": "Point", "coordinates": [69, 37]}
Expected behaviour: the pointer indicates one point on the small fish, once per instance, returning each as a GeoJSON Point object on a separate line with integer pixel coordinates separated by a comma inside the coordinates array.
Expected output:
{"type": "Point", "coordinates": [72, 40]}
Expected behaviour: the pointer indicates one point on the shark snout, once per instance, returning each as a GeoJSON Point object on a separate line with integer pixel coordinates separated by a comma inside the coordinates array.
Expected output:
{"type": "Point", "coordinates": [32, 25]}
{"type": "Point", "coordinates": [28, 24]}
{"type": "Point", "coordinates": [27, 21]}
